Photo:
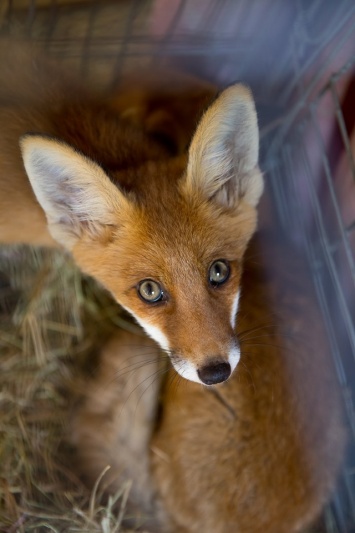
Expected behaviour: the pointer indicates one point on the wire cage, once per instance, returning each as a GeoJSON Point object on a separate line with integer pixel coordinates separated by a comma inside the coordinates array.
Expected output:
{"type": "Point", "coordinates": [299, 59]}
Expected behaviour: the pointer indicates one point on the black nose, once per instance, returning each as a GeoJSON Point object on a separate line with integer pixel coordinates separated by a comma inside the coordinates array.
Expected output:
{"type": "Point", "coordinates": [214, 373]}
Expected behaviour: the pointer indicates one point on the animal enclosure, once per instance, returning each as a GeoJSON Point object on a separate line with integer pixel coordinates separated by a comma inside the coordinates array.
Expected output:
{"type": "Point", "coordinates": [299, 60]}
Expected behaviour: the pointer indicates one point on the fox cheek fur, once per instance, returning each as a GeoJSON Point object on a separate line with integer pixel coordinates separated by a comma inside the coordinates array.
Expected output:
{"type": "Point", "coordinates": [177, 220]}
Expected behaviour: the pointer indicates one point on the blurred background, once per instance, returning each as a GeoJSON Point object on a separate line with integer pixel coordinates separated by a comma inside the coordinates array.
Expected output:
{"type": "Point", "coordinates": [299, 60]}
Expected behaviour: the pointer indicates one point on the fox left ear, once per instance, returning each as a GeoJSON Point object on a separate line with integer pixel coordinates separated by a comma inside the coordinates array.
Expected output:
{"type": "Point", "coordinates": [75, 193]}
{"type": "Point", "coordinates": [223, 156]}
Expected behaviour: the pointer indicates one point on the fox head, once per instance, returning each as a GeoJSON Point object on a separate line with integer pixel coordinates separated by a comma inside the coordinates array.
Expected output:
{"type": "Point", "coordinates": [167, 238]}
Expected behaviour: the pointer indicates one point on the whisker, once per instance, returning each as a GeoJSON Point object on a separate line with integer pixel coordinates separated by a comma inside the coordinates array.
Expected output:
{"type": "Point", "coordinates": [255, 362]}
{"type": "Point", "coordinates": [96, 368]}
{"type": "Point", "coordinates": [128, 370]}
{"type": "Point", "coordinates": [241, 335]}
{"type": "Point", "coordinates": [175, 381]}
{"type": "Point", "coordinates": [277, 346]}
{"type": "Point", "coordinates": [133, 367]}
{"type": "Point", "coordinates": [249, 374]}
{"type": "Point", "coordinates": [157, 375]}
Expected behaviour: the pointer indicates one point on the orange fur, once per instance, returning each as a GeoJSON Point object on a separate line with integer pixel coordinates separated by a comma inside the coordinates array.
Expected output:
{"type": "Point", "coordinates": [127, 210]}
{"type": "Point", "coordinates": [258, 454]}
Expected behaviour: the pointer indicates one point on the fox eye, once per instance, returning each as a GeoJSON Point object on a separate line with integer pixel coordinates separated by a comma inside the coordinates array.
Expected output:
{"type": "Point", "coordinates": [218, 273]}
{"type": "Point", "coordinates": [150, 291]}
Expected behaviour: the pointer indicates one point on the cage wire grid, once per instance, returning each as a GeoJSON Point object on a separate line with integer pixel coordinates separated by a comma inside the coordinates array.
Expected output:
{"type": "Point", "coordinates": [299, 58]}
{"type": "Point", "coordinates": [330, 253]}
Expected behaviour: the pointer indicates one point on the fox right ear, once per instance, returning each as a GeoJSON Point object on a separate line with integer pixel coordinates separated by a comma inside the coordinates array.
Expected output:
{"type": "Point", "coordinates": [74, 192]}
{"type": "Point", "coordinates": [223, 156]}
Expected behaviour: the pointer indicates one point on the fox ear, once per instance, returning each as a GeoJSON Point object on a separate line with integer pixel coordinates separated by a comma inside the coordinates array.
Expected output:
{"type": "Point", "coordinates": [223, 156]}
{"type": "Point", "coordinates": [74, 192]}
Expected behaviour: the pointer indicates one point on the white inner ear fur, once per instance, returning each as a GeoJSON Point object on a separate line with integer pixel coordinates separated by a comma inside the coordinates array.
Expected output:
{"type": "Point", "coordinates": [223, 156]}
{"type": "Point", "coordinates": [74, 192]}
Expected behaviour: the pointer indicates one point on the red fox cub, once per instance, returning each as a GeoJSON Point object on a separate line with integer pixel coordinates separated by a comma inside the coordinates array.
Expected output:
{"type": "Point", "coordinates": [165, 235]}
{"type": "Point", "coordinates": [257, 454]}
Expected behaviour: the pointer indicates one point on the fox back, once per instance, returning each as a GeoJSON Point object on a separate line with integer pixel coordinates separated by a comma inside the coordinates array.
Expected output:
{"type": "Point", "coordinates": [165, 235]}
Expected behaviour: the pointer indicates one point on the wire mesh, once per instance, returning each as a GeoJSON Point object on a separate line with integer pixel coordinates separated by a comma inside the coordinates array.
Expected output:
{"type": "Point", "coordinates": [321, 215]}
{"type": "Point", "coordinates": [298, 57]}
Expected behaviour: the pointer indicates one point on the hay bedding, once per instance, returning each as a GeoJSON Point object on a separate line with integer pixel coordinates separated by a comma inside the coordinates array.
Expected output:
{"type": "Point", "coordinates": [50, 317]}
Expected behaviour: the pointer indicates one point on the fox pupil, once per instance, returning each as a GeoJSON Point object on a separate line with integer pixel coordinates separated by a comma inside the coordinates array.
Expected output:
{"type": "Point", "coordinates": [219, 272]}
{"type": "Point", "coordinates": [149, 289]}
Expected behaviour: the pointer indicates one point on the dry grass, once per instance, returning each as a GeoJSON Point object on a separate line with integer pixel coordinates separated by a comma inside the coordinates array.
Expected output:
{"type": "Point", "coordinates": [49, 317]}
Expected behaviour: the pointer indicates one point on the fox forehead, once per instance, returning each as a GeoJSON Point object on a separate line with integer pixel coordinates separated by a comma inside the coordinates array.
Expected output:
{"type": "Point", "coordinates": [172, 240]}
{"type": "Point", "coordinates": [171, 215]}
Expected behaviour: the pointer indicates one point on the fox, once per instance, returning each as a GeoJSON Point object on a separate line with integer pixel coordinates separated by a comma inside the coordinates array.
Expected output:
{"type": "Point", "coordinates": [259, 453]}
{"type": "Point", "coordinates": [164, 233]}
{"type": "Point", "coordinates": [169, 236]}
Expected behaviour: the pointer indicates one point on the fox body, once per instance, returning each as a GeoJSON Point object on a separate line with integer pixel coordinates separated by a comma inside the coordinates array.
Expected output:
{"type": "Point", "coordinates": [165, 235]}
{"type": "Point", "coordinates": [257, 454]}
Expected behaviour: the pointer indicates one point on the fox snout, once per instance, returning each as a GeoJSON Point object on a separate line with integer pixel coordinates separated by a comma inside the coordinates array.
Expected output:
{"type": "Point", "coordinates": [207, 369]}
{"type": "Point", "coordinates": [212, 372]}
